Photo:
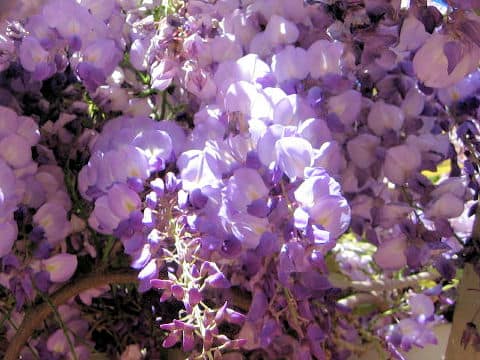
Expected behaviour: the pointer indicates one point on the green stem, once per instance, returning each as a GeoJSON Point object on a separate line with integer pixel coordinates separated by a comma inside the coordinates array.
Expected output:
{"type": "Point", "coordinates": [61, 323]}
{"type": "Point", "coordinates": [391, 284]}
{"type": "Point", "coordinates": [164, 105]}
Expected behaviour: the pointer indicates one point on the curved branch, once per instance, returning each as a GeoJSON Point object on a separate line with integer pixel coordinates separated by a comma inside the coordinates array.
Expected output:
{"type": "Point", "coordinates": [392, 284]}
{"type": "Point", "coordinates": [35, 316]}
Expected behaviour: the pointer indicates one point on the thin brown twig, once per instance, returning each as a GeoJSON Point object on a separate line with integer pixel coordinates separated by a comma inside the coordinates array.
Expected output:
{"type": "Point", "coordinates": [35, 316]}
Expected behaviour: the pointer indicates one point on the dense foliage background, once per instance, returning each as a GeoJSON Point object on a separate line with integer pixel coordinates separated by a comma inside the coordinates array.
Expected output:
{"type": "Point", "coordinates": [269, 179]}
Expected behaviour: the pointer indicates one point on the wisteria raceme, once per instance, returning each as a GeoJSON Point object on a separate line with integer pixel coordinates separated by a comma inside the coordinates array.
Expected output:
{"type": "Point", "coordinates": [286, 179]}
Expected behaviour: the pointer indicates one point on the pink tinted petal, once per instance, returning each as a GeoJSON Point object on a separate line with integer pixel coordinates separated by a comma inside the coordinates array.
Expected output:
{"type": "Point", "coordinates": [61, 267]}
{"type": "Point", "coordinates": [171, 339]}
{"type": "Point", "coordinates": [28, 129]}
{"type": "Point", "coordinates": [324, 57]}
{"type": "Point", "coordinates": [431, 64]}
{"type": "Point", "coordinates": [361, 150]}
{"type": "Point", "coordinates": [383, 117]}
{"type": "Point", "coordinates": [15, 150]}
{"type": "Point", "coordinates": [32, 54]}
{"type": "Point", "coordinates": [188, 342]}
{"type": "Point", "coordinates": [329, 157]}
{"type": "Point", "coordinates": [131, 352]}
{"type": "Point", "coordinates": [52, 218]}
{"type": "Point", "coordinates": [281, 31]}
{"type": "Point", "coordinates": [412, 35]}
{"type": "Point", "coordinates": [315, 131]}
{"type": "Point", "coordinates": [447, 206]}
{"type": "Point", "coordinates": [346, 106]}
{"type": "Point", "coordinates": [88, 295]}
{"type": "Point", "coordinates": [390, 254]}
{"type": "Point", "coordinates": [400, 163]}
{"type": "Point", "coordinates": [292, 109]}
{"type": "Point", "coordinates": [225, 48]}
{"type": "Point", "coordinates": [57, 342]}
{"type": "Point", "coordinates": [245, 98]}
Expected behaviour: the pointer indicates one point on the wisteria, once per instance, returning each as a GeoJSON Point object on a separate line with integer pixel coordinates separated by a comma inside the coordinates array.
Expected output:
{"type": "Point", "coordinates": [237, 179]}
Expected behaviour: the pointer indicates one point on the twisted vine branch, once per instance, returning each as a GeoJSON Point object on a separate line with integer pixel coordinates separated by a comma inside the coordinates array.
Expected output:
{"type": "Point", "coordinates": [35, 316]}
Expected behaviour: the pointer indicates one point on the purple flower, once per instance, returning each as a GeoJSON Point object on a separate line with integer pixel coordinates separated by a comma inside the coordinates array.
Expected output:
{"type": "Point", "coordinates": [156, 145]}
{"type": "Point", "coordinates": [148, 273]}
{"type": "Point", "coordinates": [36, 59]}
{"type": "Point", "coordinates": [52, 218]}
{"type": "Point", "coordinates": [102, 10]}
{"type": "Point", "coordinates": [163, 73]}
{"type": "Point", "coordinates": [362, 150]}
{"type": "Point", "coordinates": [83, 26]}
{"type": "Point", "coordinates": [329, 157]}
{"type": "Point", "coordinates": [291, 110]}
{"type": "Point", "coordinates": [400, 163]}
{"type": "Point", "coordinates": [421, 306]}
{"type": "Point", "coordinates": [90, 75]}
{"type": "Point", "coordinates": [218, 281]}
{"type": "Point", "coordinates": [390, 254]}
{"type": "Point", "coordinates": [247, 229]}
{"type": "Point", "coordinates": [346, 106]}
{"type": "Point", "coordinates": [384, 117]}
{"type": "Point", "coordinates": [315, 131]}
{"type": "Point", "coordinates": [127, 162]}
{"type": "Point", "coordinates": [122, 200]}
{"type": "Point", "coordinates": [415, 333]}
{"type": "Point", "coordinates": [60, 267]}
{"type": "Point", "coordinates": [412, 34]}
{"type": "Point", "coordinates": [225, 48]}
{"type": "Point", "coordinates": [248, 68]}
{"type": "Point", "coordinates": [114, 207]}
{"type": "Point", "coordinates": [324, 58]}
{"type": "Point", "coordinates": [290, 63]}
{"type": "Point", "coordinates": [16, 151]}
{"type": "Point", "coordinates": [280, 31]}
{"type": "Point", "coordinates": [57, 342]}
{"type": "Point", "coordinates": [243, 188]}
{"type": "Point", "coordinates": [441, 72]}
{"type": "Point", "coordinates": [316, 185]}
{"type": "Point", "coordinates": [293, 155]}
{"type": "Point", "coordinates": [199, 169]}
{"type": "Point", "coordinates": [200, 83]}
{"type": "Point", "coordinates": [332, 213]}
{"type": "Point", "coordinates": [247, 99]}
{"type": "Point", "coordinates": [231, 247]}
